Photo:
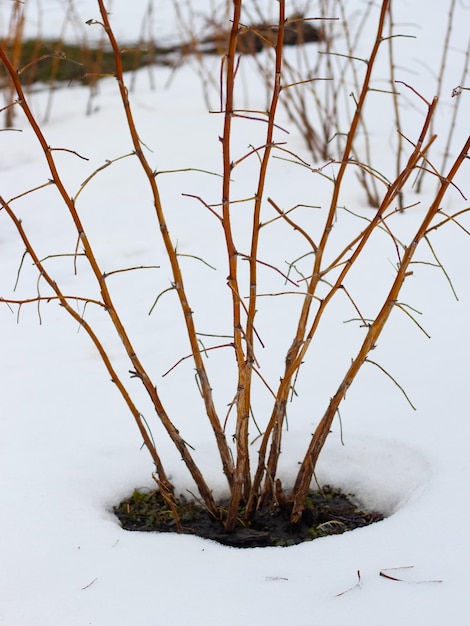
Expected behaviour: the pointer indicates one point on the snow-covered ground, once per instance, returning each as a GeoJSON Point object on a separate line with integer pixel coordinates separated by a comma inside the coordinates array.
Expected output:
{"type": "Point", "coordinates": [69, 450]}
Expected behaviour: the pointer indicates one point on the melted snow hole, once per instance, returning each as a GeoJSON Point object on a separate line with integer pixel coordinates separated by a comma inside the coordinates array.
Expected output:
{"type": "Point", "coordinates": [382, 474]}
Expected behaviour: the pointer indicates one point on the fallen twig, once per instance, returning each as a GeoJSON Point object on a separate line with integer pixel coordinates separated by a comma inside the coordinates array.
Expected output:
{"type": "Point", "coordinates": [356, 586]}
{"type": "Point", "coordinates": [384, 573]}
{"type": "Point", "coordinates": [89, 584]}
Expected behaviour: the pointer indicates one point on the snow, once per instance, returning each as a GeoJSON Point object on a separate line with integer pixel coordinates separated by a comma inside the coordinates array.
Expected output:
{"type": "Point", "coordinates": [69, 449]}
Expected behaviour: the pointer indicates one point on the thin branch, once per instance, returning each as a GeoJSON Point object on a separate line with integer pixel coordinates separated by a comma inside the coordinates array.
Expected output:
{"type": "Point", "coordinates": [131, 269]}
{"type": "Point", "coordinates": [189, 356]}
{"type": "Point", "coordinates": [404, 307]}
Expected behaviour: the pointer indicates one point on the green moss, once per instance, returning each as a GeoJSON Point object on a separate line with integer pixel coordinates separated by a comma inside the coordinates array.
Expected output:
{"type": "Point", "coordinates": [328, 512]}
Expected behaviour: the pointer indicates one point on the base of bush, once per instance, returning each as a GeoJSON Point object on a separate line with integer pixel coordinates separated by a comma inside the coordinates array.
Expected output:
{"type": "Point", "coordinates": [328, 512]}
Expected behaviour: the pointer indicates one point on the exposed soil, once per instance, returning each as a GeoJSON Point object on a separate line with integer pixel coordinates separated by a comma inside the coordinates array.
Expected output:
{"type": "Point", "coordinates": [329, 512]}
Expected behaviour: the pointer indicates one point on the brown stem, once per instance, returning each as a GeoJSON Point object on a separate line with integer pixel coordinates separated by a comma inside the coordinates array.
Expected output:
{"type": "Point", "coordinates": [120, 329]}
{"type": "Point", "coordinates": [173, 258]}
{"type": "Point", "coordinates": [307, 468]}
{"type": "Point", "coordinates": [115, 378]}
{"type": "Point", "coordinates": [300, 343]}
{"type": "Point", "coordinates": [242, 471]}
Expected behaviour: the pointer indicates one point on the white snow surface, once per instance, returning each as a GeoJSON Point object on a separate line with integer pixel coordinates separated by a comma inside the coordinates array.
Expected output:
{"type": "Point", "coordinates": [69, 449]}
